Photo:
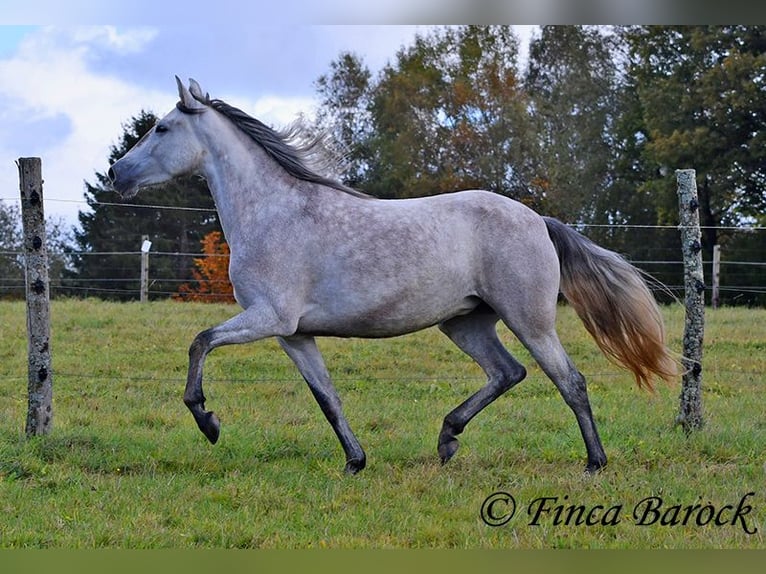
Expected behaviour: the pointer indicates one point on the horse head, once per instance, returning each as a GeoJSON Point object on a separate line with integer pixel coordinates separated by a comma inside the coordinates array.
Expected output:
{"type": "Point", "coordinates": [170, 149]}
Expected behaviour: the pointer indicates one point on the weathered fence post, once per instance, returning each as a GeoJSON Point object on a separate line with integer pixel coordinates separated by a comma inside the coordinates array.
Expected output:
{"type": "Point", "coordinates": [690, 413]}
{"type": "Point", "coordinates": [40, 383]}
{"type": "Point", "coordinates": [146, 245]}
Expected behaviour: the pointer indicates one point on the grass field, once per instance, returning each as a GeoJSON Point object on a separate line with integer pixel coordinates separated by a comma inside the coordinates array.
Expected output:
{"type": "Point", "coordinates": [125, 465]}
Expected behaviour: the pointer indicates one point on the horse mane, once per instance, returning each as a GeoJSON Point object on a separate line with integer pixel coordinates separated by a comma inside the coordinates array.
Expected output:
{"type": "Point", "coordinates": [290, 147]}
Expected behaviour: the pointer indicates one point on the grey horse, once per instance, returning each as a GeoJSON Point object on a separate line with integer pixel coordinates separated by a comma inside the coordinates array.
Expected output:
{"type": "Point", "coordinates": [311, 257]}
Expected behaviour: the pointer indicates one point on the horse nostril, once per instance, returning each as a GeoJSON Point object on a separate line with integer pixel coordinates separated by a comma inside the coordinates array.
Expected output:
{"type": "Point", "coordinates": [110, 175]}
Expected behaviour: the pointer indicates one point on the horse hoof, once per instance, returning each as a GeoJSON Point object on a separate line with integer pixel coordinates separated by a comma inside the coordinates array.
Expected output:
{"type": "Point", "coordinates": [448, 449]}
{"type": "Point", "coordinates": [355, 465]}
{"type": "Point", "coordinates": [595, 466]}
{"type": "Point", "coordinates": [210, 427]}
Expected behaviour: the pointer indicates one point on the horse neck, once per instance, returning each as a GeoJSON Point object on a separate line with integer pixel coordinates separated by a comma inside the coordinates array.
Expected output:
{"type": "Point", "coordinates": [242, 179]}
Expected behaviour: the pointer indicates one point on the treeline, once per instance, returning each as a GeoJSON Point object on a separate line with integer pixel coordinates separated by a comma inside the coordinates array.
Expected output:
{"type": "Point", "coordinates": [589, 128]}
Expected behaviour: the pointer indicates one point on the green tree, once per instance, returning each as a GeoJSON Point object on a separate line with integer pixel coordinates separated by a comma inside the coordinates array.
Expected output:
{"type": "Point", "coordinates": [406, 138]}
{"type": "Point", "coordinates": [449, 114]}
{"type": "Point", "coordinates": [11, 260]}
{"type": "Point", "coordinates": [344, 113]}
{"type": "Point", "coordinates": [572, 81]}
{"type": "Point", "coordinates": [702, 91]}
{"type": "Point", "coordinates": [107, 264]}
{"type": "Point", "coordinates": [58, 245]}
{"type": "Point", "coordinates": [486, 110]}
{"type": "Point", "coordinates": [626, 208]}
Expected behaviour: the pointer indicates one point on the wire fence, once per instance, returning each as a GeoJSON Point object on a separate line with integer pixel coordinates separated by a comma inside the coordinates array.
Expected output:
{"type": "Point", "coordinates": [651, 248]}
{"type": "Point", "coordinates": [737, 285]}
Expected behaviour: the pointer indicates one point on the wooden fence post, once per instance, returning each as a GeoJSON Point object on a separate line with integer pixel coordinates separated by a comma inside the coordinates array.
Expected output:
{"type": "Point", "coordinates": [690, 412]}
{"type": "Point", "coordinates": [146, 245]}
{"type": "Point", "coordinates": [40, 382]}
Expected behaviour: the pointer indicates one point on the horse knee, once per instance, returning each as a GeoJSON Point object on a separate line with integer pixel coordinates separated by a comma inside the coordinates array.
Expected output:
{"type": "Point", "coordinates": [201, 344]}
{"type": "Point", "coordinates": [510, 378]}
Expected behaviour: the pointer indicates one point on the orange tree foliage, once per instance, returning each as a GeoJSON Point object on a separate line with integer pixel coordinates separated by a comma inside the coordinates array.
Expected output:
{"type": "Point", "coordinates": [211, 274]}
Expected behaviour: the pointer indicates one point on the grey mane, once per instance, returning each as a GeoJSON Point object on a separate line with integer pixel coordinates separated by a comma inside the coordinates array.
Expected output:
{"type": "Point", "coordinates": [277, 144]}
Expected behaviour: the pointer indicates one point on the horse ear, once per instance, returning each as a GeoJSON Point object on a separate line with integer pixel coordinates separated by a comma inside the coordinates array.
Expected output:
{"type": "Point", "coordinates": [187, 100]}
{"type": "Point", "coordinates": [197, 92]}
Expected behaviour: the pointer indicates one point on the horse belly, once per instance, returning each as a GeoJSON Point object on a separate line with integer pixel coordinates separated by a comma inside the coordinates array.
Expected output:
{"type": "Point", "coordinates": [385, 315]}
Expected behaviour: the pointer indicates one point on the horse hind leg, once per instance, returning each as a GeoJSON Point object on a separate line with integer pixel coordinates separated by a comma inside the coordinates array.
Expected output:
{"type": "Point", "coordinates": [475, 335]}
{"type": "Point", "coordinates": [557, 365]}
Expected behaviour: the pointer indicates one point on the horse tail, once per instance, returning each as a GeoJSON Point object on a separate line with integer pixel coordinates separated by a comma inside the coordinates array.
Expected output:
{"type": "Point", "coordinates": [615, 304]}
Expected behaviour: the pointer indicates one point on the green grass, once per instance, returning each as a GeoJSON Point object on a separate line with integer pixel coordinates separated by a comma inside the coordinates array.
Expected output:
{"type": "Point", "coordinates": [125, 465]}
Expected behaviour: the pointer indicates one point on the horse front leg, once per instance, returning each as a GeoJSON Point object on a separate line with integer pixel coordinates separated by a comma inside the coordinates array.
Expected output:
{"type": "Point", "coordinates": [306, 356]}
{"type": "Point", "coordinates": [194, 398]}
{"type": "Point", "coordinates": [250, 325]}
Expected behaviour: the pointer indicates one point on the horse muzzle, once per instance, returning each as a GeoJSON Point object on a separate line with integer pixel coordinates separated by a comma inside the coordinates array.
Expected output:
{"type": "Point", "coordinates": [121, 184]}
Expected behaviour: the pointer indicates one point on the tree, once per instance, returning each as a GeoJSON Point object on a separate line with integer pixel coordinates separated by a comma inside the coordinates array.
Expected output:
{"type": "Point", "coordinates": [344, 113]}
{"type": "Point", "coordinates": [407, 137]}
{"type": "Point", "coordinates": [58, 244]}
{"type": "Point", "coordinates": [11, 261]}
{"type": "Point", "coordinates": [110, 235]}
{"type": "Point", "coordinates": [211, 276]}
{"type": "Point", "coordinates": [572, 81]}
{"type": "Point", "coordinates": [702, 91]}
{"type": "Point", "coordinates": [486, 111]}
{"type": "Point", "coordinates": [448, 114]}
{"type": "Point", "coordinates": [626, 209]}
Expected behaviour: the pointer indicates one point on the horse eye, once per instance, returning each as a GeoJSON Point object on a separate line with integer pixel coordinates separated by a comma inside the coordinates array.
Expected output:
{"type": "Point", "coordinates": [161, 128]}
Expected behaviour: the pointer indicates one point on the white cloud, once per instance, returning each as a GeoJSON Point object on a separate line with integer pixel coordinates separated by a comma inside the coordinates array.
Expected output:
{"type": "Point", "coordinates": [278, 111]}
{"type": "Point", "coordinates": [126, 41]}
{"type": "Point", "coordinates": [49, 82]}
{"type": "Point", "coordinates": [48, 77]}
